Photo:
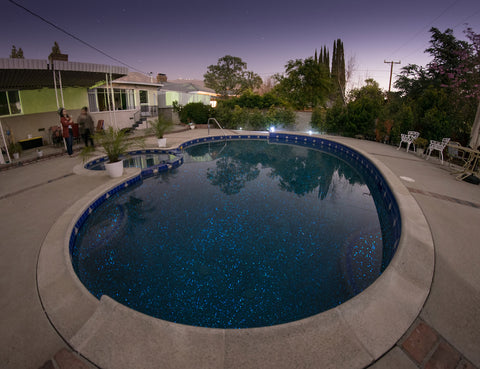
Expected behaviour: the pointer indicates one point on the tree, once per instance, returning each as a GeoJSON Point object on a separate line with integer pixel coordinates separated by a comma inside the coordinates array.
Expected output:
{"type": "Point", "coordinates": [360, 115]}
{"type": "Point", "coordinates": [16, 54]}
{"type": "Point", "coordinates": [267, 86]}
{"type": "Point", "coordinates": [338, 69]}
{"type": "Point", "coordinates": [445, 94]}
{"type": "Point", "coordinates": [350, 68]}
{"type": "Point", "coordinates": [55, 49]}
{"type": "Point", "coordinates": [324, 57]}
{"type": "Point", "coordinates": [229, 77]}
{"type": "Point", "coordinates": [306, 83]}
{"type": "Point", "coordinates": [364, 109]}
{"type": "Point", "coordinates": [252, 81]}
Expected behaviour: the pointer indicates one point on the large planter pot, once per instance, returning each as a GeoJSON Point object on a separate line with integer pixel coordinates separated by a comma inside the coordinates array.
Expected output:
{"type": "Point", "coordinates": [114, 170]}
{"type": "Point", "coordinates": [162, 142]}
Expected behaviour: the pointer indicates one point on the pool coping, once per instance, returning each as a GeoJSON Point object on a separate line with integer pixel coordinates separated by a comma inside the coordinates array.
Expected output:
{"type": "Point", "coordinates": [353, 335]}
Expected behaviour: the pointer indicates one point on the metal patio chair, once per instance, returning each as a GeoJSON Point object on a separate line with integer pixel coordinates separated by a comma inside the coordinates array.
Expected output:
{"type": "Point", "coordinates": [439, 146]}
{"type": "Point", "coordinates": [409, 139]}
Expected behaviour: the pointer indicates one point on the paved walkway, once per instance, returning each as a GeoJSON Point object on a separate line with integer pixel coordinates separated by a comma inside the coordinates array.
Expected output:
{"type": "Point", "coordinates": [445, 335]}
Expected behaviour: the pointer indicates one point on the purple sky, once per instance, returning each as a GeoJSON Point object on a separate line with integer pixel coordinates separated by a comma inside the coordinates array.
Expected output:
{"type": "Point", "coordinates": [181, 39]}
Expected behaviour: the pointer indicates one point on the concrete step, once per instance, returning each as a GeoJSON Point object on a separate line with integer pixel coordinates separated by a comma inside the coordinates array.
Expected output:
{"type": "Point", "coordinates": [143, 125]}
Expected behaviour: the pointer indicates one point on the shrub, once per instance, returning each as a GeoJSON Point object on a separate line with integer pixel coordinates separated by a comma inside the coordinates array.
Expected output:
{"type": "Point", "coordinates": [257, 121]}
{"type": "Point", "coordinates": [281, 116]}
{"type": "Point", "coordinates": [319, 119]}
{"type": "Point", "coordinates": [194, 112]}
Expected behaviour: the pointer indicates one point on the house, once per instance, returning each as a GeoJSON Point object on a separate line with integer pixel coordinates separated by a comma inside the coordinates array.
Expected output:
{"type": "Point", "coordinates": [183, 92]}
{"type": "Point", "coordinates": [32, 90]}
{"type": "Point", "coordinates": [134, 99]}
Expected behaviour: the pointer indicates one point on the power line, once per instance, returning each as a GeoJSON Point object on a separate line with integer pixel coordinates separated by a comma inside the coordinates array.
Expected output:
{"type": "Point", "coordinates": [75, 37]}
{"type": "Point", "coordinates": [423, 28]}
{"type": "Point", "coordinates": [467, 18]}
{"type": "Point", "coordinates": [422, 49]}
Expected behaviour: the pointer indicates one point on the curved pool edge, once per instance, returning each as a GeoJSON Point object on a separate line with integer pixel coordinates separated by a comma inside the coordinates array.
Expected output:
{"type": "Point", "coordinates": [352, 335]}
{"type": "Point", "coordinates": [65, 300]}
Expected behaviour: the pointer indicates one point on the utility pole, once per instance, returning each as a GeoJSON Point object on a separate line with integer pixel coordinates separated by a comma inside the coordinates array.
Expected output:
{"type": "Point", "coordinates": [391, 72]}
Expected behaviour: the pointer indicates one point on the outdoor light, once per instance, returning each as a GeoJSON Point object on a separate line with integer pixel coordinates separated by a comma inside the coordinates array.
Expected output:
{"type": "Point", "coordinates": [310, 132]}
{"type": "Point", "coordinates": [272, 129]}
{"type": "Point", "coordinates": [213, 103]}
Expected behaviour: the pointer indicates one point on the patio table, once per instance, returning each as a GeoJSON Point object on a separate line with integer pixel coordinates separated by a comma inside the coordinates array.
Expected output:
{"type": "Point", "coordinates": [472, 161]}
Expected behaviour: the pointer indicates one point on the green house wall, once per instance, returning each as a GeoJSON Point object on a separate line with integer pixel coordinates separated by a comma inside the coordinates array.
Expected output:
{"type": "Point", "coordinates": [43, 100]}
{"type": "Point", "coordinates": [182, 98]}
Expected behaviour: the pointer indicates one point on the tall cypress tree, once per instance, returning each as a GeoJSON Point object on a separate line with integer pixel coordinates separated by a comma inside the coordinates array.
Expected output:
{"type": "Point", "coordinates": [338, 68]}
{"type": "Point", "coordinates": [323, 58]}
{"type": "Point", "coordinates": [326, 58]}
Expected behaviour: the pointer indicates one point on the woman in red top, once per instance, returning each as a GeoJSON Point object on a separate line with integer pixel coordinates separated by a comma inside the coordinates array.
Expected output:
{"type": "Point", "coordinates": [67, 124]}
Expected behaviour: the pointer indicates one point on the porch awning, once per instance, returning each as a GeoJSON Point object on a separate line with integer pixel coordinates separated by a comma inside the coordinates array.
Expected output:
{"type": "Point", "coordinates": [34, 73]}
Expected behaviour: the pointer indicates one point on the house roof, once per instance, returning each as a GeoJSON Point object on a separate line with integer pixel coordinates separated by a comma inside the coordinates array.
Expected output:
{"type": "Point", "coordinates": [137, 78]}
{"type": "Point", "coordinates": [36, 73]}
{"type": "Point", "coordinates": [188, 86]}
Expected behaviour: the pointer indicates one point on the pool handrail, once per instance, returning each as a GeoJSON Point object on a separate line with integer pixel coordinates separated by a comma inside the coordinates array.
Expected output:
{"type": "Point", "coordinates": [218, 124]}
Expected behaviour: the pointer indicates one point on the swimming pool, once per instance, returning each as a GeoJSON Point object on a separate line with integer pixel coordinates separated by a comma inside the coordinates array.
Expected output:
{"type": "Point", "coordinates": [204, 274]}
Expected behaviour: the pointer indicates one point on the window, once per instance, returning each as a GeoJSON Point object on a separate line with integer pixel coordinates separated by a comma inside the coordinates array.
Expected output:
{"type": "Point", "coordinates": [100, 99]}
{"type": "Point", "coordinates": [92, 100]}
{"type": "Point", "coordinates": [143, 97]}
{"type": "Point", "coordinates": [10, 103]}
{"type": "Point", "coordinates": [130, 99]}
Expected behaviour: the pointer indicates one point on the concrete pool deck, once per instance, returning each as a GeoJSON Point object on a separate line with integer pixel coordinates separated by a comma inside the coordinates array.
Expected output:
{"type": "Point", "coordinates": [35, 196]}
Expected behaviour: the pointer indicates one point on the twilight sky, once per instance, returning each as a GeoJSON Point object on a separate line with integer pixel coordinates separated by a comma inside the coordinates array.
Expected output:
{"type": "Point", "coordinates": [181, 39]}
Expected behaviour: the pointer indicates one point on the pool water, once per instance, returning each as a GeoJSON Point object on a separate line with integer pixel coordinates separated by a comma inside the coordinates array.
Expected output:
{"type": "Point", "coordinates": [140, 160]}
{"type": "Point", "coordinates": [243, 234]}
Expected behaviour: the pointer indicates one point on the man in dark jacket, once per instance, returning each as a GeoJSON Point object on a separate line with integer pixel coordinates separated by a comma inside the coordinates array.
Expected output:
{"type": "Point", "coordinates": [85, 123]}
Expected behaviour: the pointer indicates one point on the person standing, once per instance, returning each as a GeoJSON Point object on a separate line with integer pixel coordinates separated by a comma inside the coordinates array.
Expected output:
{"type": "Point", "coordinates": [67, 125]}
{"type": "Point", "coordinates": [85, 122]}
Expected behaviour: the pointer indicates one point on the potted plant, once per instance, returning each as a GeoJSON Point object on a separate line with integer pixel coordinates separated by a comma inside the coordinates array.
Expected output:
{"type": "Point", "coordinates": [16, 149]}
{"type": "Point", "coordinates": [159, 126]}
{"type": "Point", "coordinates": [421, 143]}
{"type": "Point", "coordinates": [115, 144]}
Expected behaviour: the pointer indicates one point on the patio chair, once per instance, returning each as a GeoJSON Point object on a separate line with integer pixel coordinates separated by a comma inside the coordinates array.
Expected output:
{"type": "Point", "coordinates": [437, 145]}
{"type": "Point", "coordinates": [409, 139]}
{"type": "Point", "coordinates": [56, 135]}
{"type": "Point", "coordinates": [99, 127]}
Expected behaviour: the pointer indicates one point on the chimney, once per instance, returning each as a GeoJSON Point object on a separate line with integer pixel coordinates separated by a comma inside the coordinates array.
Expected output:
{"type": "Point", "coordinates": [161, 77]}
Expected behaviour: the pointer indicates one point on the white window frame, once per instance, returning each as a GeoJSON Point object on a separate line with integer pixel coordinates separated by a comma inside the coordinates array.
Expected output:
{"type": "Point", "coordinates": [8, 103]}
